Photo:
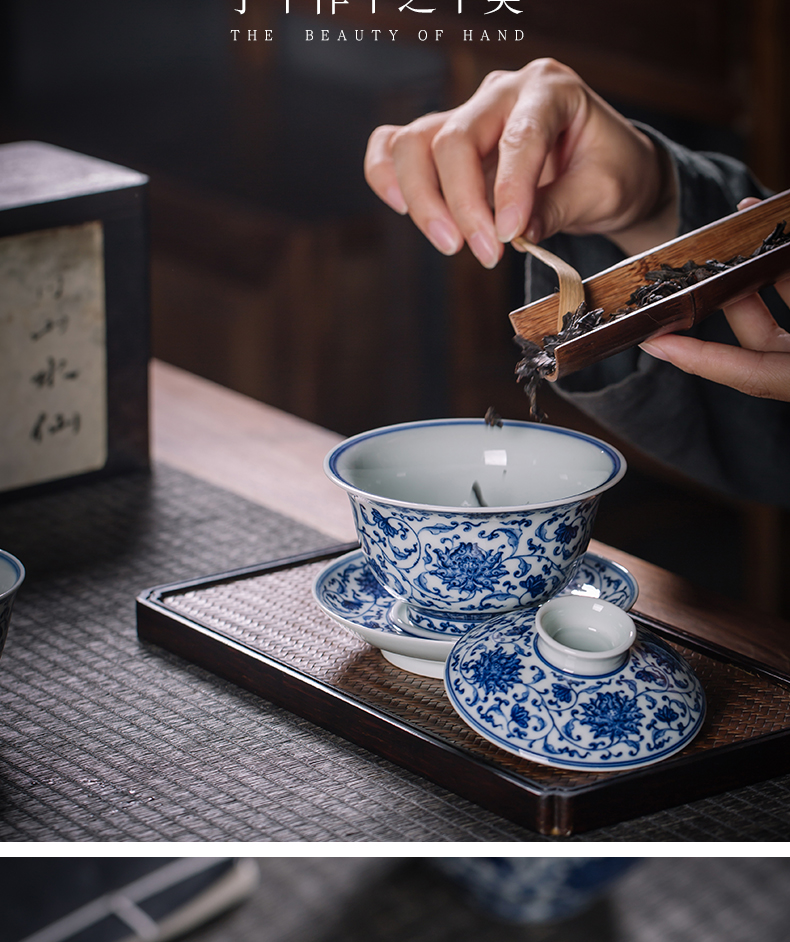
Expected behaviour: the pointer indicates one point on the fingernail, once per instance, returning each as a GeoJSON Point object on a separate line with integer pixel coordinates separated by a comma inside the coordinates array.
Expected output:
{"type": "Point", "coordinates": [508, 223]}
{"type": "Point", "coordinates": [443, 237]}
{"type": "Point", "coordinates": [653, 349]}
{"type": "Point", "coordinates": [395, 199]}
{"type": "Point", "coordinates": [484, 248]}
{"type": "Point", "coordinates": [534, 234]}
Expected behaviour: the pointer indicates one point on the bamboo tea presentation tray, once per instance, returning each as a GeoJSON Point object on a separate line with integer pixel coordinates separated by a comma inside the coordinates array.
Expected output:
{"type": "Point", "coordinates": [738, 234]}
{"type": "Point", "coordinates": [260, 628]}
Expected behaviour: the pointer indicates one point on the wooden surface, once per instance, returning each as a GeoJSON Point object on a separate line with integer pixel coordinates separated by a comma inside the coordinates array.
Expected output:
{"type": "Point", "coordinates": [246, 447]}
{"type": "Point", "coordinates": [275, 459]}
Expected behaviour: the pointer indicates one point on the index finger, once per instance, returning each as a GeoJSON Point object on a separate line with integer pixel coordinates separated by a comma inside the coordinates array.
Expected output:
{"type": "Point", "coordinates": [499, 118]}
{"type": "Point", "coordinates": [380, 168]}
{"type": "Point", "coordinates": [545, 108]}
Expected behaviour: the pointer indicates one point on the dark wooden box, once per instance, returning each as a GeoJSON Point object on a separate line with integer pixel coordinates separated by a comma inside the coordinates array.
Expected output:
{"type": "Point", "coordinates": [74, 317]}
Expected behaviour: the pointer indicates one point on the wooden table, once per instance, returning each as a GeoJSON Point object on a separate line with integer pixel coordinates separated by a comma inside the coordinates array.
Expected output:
{"type": "Point", "coordinates": [105, 738]}
{"type": "Point", "coordinates": [246, 447]}
{"type": "Point", "coordinates": [275, 459]}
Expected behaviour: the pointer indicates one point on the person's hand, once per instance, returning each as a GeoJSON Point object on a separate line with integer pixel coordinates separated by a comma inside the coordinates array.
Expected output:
{"type": "Point", "coordinates": [543, 150]}
{"type": "Point", "coordinates": [759, 367]}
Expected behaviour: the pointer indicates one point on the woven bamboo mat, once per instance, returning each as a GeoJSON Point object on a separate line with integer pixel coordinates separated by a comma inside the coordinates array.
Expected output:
{"type": "Point", "coordinates": [103, 738]}
{"type": "Point", "coordinates": [274, 614]}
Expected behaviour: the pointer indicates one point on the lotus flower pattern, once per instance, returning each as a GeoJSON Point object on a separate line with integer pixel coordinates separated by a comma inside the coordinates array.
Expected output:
{"type": "Point", "coordinates": [520, 716]}
{"type": "Point", "coordinates": [562, 693]}
{"type": "Point", "coordinates": [667, 715]}
{"type": "Point", "coordinates": [384, 524]}
{"type": "Point", "coordinates": [452, 563]}
{"type": "Point", "coordinates": [613, 716]}
{"type": "Point", "coordinates": [535, 585]}
{"type": "Point", "coordinates": [646, 676]}
{"type": "Point", "coordinates": [369, 585]}
{"type": "Point", "coordinates": [496, 671]}
{"type": "Point", "coordinates": [468, 568]}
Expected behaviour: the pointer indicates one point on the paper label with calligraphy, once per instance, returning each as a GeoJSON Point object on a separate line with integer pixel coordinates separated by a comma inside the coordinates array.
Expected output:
{"type": "Point", "coordinates": [53, 359]}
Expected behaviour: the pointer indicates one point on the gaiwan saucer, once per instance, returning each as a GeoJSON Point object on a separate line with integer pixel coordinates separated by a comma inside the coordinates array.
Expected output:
{"type": "Point", "coordinates": [348, 591]}
{"type": "Point", "coordinates": [583, 708]}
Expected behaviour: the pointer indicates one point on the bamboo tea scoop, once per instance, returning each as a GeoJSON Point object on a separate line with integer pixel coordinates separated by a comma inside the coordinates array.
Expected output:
{"type": "Point", "coordinates": [571, 292]}
{"type": "Point", "coordinates": [738, 234]}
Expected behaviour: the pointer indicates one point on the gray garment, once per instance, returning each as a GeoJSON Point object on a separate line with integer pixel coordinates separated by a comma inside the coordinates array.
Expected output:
{"type": "Point", "coordinates": [734, 443]}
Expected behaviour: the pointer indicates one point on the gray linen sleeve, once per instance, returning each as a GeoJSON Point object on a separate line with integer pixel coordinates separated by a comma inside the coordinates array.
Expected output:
{"type": "Point", "coordinates": [734, 443]}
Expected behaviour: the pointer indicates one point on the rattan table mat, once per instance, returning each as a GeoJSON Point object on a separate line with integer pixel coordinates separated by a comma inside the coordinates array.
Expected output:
{"type": "Point", "coordinates": [106, 739]}
{"type": "Point", "coordinates": [274, 614]}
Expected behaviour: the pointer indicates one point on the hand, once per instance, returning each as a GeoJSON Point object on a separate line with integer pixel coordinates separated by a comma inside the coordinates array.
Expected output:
{"type": "Point", "coordinates": [759, 367]}
{"type": "Point", "coordinates": [542, 149]}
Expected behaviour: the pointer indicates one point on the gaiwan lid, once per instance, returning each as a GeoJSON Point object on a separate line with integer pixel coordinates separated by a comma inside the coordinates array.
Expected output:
{"type": "Point", "coordinates": [504, 681]}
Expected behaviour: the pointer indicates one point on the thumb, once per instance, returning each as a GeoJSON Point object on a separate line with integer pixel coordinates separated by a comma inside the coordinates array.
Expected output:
{"type": "Point", "coordinates": [569, 203]}
{"type": "Point", "coordinates": [550, 212]}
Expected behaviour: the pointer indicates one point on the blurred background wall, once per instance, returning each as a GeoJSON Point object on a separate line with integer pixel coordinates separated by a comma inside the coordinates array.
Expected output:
{"type": "Point", "coordinates": [277, 273]}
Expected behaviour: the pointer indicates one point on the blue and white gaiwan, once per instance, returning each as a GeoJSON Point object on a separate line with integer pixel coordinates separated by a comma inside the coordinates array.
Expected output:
{"type": "Point", "coordinates": [575, 686]}
{"type": "Point", "coordinates": [463, 521]}
{"type": "Point", "coordinates": [350, 595]}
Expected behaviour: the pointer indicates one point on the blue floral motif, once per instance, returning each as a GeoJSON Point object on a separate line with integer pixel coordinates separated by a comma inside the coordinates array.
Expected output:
{"type": "Point", "coordinates": [384, 524]}
{"type": "Point", "coordinates": [613, 716]}
{"type": "Point", "coordinates": [661, 659]}
{"type": "Point", "coordinates": [534, 890]}
{"type": "Point", "coordinates": [566, 533]}
{"type": "Point", "coordinates": [501, 686]}
{"type": "Point", "coordinates": [572, 721]}
{"type": "Point", "coordinates": [350, 606]}
{"type": "Point", "coordinates": [520, 716]}
{"type": "Point", "coordinates": [370, 585]}
{"type": "Point", "coordinates": [469, 568]}
{"type": "Point", "coordinates": [453, 562]}
{"type": "Point", "coordinates": [666, 715]}
{"type": "Point", "coordinates": [496, 671]}
{"type": "Point", "coordinates": [351, 590]}
{"type": "Point", "coordinates": [645, 675]}
{"type": "Point", "coordinates": [535, 585]}
{"type": "Point", "coordinates": [562, 693]}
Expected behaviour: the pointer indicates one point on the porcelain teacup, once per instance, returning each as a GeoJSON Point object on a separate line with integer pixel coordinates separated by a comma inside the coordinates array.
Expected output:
{"type": "Point", "coordinates": [461, 520]}
{"type": "Point", "coordinates": [12, 574]}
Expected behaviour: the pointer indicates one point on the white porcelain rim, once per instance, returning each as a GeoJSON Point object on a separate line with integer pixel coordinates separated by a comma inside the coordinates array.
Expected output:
{"type": "Point", "coordinates": [586, 663]}
{"type": "Point", "coordinates": [10, 558]}
{"type": "Point", "coordinates": [617, 457]}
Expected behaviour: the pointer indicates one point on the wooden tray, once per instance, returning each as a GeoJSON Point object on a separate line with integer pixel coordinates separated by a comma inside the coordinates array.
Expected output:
{"type": "Point", "coordinates": [260, 628]}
